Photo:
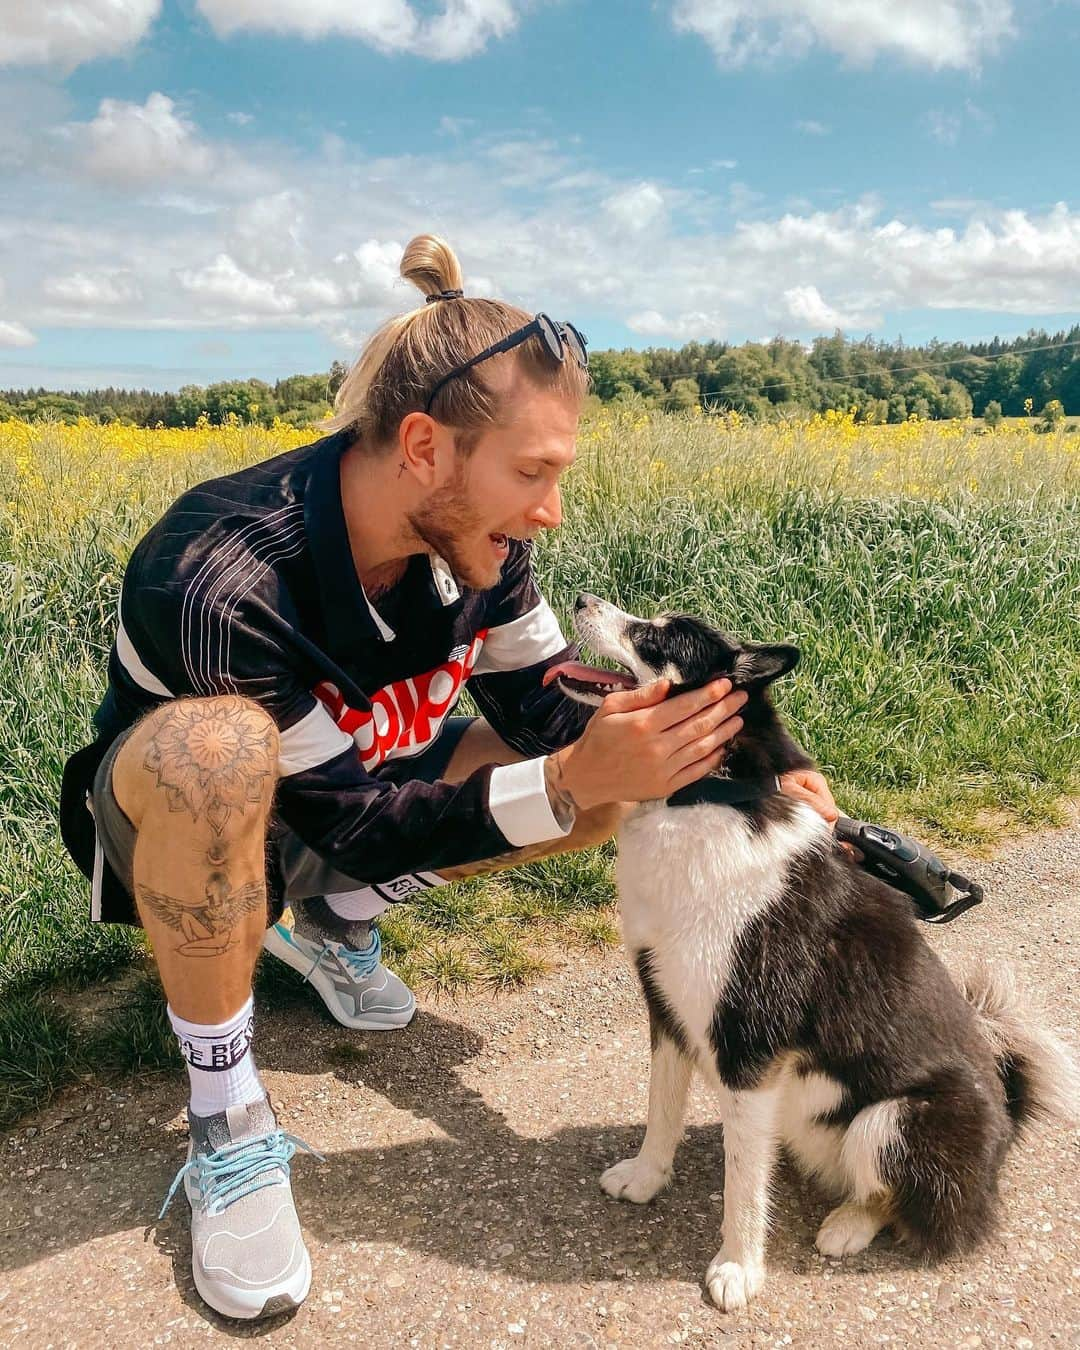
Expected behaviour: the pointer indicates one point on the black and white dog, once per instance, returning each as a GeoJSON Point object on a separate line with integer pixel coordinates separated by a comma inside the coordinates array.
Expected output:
{"type": "Point", "coordinates": [802, 990]}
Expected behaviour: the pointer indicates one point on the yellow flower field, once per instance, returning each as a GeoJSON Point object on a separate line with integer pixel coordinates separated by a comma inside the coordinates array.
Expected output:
{"type": "Point", "coordinates": [929, 573]}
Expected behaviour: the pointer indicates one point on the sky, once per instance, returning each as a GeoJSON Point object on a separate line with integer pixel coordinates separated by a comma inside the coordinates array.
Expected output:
{"type": "Point", "coordinates": [199, 190]}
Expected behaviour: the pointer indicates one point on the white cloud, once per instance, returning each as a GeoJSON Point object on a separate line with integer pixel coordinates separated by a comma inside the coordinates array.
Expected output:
{"type": "Point", "coordinates": [240, 119]}
{"type": "Point", "coordinates": [943, 126]}
{"type": "Point", "coordinates": [379, 276]}
{"type": "Point", "coordinates": [13, 334]}
{"type": "Point", "coordinates": [678, 328]}
{"type": "Point", "coordinates": [84, 289]}
{"type": "Point", "coordinates": [462, 29]}
{"type": "Point", "coordinates": [454, 126]}
{"type": "Point", "coordinates": [66, 33]}
{"type": "Point", "coordinates": [224, 285]}
{"type": "Point", "coordinates": [811, 128]}
{"type": "Point", "coordinates": [810, 312]}
{"type": "Point", "coordinates": [636, 208]}
{"type": "Point", "coordinates": [935, 33]}
{"type": "Point", "coordinates": [946, 126]}
{"type": "Point", "coordinates": [318, 246]}
{"type": "Point", "coordinates": [131, 143]}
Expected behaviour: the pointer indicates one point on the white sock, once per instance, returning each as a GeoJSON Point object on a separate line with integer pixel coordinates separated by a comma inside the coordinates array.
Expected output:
{"type": "Point", "coordinates": [368, 902]}
{"type": "Point", "coordinates": [219, 1061]}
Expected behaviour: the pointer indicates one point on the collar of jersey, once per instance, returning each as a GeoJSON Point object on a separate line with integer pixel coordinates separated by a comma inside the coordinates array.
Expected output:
{"type": "Point", "coordinates": [345, 604]}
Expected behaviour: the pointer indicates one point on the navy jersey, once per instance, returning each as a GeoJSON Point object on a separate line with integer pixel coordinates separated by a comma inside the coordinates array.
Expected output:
{"type": "Point", "coordinates": [247, 586]}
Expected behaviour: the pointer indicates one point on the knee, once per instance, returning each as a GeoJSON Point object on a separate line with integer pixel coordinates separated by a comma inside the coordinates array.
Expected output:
{"type": "Point", "coordinates": [208, 760]}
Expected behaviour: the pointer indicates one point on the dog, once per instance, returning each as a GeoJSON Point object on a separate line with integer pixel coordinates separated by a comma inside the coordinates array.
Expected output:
{"type": "Point", "coordinates": [802, 990]}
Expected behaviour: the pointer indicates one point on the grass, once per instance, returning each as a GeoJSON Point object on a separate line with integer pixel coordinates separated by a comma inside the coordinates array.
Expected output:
{"type": "Point", "coordinates": [930, 574]}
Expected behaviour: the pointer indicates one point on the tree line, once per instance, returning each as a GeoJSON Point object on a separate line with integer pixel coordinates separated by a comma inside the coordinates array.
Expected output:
{"type": "Point", "coordinates": [882, 381]}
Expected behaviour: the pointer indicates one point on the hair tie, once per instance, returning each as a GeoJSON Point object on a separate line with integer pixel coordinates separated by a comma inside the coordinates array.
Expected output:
{"type": "Point", "coordinates": [445, 295]}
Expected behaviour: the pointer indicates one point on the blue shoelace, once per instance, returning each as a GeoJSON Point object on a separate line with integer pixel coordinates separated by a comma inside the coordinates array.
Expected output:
{"type": "Point", "coordinates": [361, 964]}
{"type": "Point", "coordinates": [236, 1170]}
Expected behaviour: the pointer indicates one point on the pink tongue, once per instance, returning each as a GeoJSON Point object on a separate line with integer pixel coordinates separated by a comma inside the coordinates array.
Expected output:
{"type": "Point", "coordinates": [588, 674]}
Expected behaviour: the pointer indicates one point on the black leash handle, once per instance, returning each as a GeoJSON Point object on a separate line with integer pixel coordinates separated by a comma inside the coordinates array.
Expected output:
{"type": "Point", "coordinates": [940, 894]}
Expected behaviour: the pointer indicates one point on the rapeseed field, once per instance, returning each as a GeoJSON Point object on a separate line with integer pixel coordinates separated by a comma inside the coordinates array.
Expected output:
{"type": "Point", "coordinates": [930, 573]}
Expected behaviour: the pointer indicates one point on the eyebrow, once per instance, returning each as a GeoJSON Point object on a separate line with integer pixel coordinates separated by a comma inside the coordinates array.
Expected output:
{"type": "Point", "coordinates": [551, 463]}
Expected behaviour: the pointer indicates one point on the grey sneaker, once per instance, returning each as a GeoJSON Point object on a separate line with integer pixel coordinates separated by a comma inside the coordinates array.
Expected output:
{"type": "Point", "coordinates": [354, 984]}
{"type": "Point", "coordinates": [248, 1257]}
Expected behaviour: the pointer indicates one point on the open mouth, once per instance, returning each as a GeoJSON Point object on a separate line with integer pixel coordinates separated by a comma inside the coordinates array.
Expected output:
{"type": "Point", "coordinates": [501, 543]}
{"type": "Point", "coordinates": [588, 681]}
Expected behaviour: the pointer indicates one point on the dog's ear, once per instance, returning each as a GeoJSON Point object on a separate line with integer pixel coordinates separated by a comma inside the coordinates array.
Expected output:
{"type": "Point", "coordinates": [760, 665]}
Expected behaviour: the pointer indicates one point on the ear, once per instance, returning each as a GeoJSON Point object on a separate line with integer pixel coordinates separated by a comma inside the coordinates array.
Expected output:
{"type": "Point", "coordinates": [761, 665]}
{"type": "Point", "coordinates": [426, 448]}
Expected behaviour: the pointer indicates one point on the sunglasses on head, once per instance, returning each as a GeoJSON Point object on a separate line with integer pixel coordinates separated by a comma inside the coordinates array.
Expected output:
{"type": "Point", "coordinates": [556, 337]}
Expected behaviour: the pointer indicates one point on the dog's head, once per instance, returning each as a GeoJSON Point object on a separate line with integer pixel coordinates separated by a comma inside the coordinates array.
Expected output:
{"type": "Point", "coordinates": [678, 647]}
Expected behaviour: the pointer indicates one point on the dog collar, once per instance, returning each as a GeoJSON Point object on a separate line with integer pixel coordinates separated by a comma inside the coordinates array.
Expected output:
{"type": "Point", "coordinates": [725, 791]}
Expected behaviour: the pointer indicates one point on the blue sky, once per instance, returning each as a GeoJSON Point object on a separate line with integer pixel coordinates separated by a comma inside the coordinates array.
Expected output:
{"type": "Point", "coordinates": [208, 189]}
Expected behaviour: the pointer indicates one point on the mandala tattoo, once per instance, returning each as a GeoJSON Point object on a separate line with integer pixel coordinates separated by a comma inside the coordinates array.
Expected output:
{"type": "Point", "coordinates": [207, 926]}
{"type": "Point", "coordinates": [212, 758]}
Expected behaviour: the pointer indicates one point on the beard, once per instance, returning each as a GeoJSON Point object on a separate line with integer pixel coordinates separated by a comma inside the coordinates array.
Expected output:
{"type": "Point", "coordinates": [449, 525]}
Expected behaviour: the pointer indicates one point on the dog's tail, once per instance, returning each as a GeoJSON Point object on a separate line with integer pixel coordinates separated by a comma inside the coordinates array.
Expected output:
{"type": "Point", "coordinates": [1038, 1073]}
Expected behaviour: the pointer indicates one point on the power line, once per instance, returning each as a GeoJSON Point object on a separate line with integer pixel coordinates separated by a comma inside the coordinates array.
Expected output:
{"type": "Point", "coordinates": [890, 370]}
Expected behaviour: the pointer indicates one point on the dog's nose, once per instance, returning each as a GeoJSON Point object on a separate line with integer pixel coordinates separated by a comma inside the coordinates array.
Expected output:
{"type": "Point", "coordinates": [584, 600]}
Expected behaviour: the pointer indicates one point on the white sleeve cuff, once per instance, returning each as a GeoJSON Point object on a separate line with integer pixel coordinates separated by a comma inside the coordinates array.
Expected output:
{"type": "Point", "coordinates": [519, 804]}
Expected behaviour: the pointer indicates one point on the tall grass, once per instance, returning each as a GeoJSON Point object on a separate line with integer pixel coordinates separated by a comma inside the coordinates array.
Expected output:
{"type": "Point", "coordinates": [930, 574]}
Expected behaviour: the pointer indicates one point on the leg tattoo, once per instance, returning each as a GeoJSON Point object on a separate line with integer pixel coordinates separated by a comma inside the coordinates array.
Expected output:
{"type": "Point", "coordinates": [211, 758]}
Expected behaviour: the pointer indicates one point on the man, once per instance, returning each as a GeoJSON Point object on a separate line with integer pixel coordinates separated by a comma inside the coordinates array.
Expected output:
{"type": "Point", "coordinates": [276, 730]}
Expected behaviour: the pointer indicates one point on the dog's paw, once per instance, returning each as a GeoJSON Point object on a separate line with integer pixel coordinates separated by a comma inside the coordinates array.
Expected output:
{"type": "Point", "coordinates": [732, 1284]}
{"type": "Point", "coordinates": [635, 1180]}
{"type": "Point", "coordinates": [847, 1230]}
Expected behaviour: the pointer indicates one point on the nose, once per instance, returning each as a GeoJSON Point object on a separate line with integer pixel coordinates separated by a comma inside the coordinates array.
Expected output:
{"type": "Point", "coordinates": [549, 512]}
{"type": "Point", "coordinates": [584, 600]}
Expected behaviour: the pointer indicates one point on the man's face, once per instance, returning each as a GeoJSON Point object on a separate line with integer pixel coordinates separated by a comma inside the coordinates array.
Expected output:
{"type": "Point", "coordinates": [507, 488]}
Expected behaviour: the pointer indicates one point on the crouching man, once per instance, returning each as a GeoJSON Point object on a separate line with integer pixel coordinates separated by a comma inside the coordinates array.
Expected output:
{"type": "Point", "coordinates": [276, 759]}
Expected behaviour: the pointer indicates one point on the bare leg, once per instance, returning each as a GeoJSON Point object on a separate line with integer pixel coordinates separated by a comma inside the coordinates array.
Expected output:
{"type": "Point", "coordinates": [196, 778]}
{"type": "Point", "coordinates": [737, 1271]}
{"type": "Point", "coordinates": [482, 745]}
{"type": "Point", "coordinates": [640, 1178]}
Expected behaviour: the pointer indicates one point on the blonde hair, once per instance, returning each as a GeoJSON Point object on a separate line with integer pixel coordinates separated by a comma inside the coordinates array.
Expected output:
{"type": "Point", "coordinates": [406, 358]}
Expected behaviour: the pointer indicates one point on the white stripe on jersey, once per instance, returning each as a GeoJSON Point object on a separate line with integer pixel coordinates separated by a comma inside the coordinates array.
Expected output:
{"type": "Point", "coordinates": [131, 661]}
{"type": "Point", "coordinates": [524, 641]}
{"type": "Point", "coordinates": [288, 548]}
{"type": "Point", "coordinates": [189, 646]}
{"type": "Point", "coordinates": [310, 742]}
{"type": "Point", "coordinates": [234, 582]}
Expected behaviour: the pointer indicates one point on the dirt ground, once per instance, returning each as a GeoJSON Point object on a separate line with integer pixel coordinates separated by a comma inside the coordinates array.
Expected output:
{"type": "Point", "coordinates": [459, 1204]}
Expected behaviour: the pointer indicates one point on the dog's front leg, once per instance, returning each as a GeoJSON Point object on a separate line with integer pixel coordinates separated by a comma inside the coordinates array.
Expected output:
{"type": "Point", "coordinates": [737, 1270]}
{"type": "Point", "coordinates": [639, 1179]}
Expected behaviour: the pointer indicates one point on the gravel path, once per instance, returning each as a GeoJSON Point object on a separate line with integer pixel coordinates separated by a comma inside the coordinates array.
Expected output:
{"type": "Point", "coordinates": [459, 1203]}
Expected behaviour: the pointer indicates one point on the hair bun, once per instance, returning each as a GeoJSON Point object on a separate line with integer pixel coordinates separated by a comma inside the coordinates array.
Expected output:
{"type": "Point", "coordinates": [432, 266]}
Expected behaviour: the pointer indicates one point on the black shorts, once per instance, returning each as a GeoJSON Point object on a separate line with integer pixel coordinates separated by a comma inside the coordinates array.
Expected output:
{"type": "Point", "coordinates": [293, 870]}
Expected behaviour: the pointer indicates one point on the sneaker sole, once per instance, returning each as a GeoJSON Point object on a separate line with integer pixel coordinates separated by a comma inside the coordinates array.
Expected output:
{"type": "Point", "coordinates": [280, 947]}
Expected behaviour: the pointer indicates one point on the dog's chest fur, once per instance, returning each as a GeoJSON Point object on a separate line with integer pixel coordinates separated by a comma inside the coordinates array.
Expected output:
{"type": "Point", "coordinates": [690, 879]}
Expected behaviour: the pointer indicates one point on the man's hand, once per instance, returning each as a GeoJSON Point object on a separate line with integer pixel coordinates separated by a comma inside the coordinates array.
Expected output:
{"type": "Point", "coordinates": [640, 744]}
{"type": "Point", "coordinates": [807, 785]}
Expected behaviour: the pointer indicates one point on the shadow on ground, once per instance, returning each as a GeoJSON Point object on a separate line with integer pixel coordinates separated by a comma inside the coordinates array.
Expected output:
{"type": "Point", "coordinates": [482, 1197]}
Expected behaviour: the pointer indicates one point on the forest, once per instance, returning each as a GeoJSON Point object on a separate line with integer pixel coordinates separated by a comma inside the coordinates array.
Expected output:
{"type": "Point", "coordinates": [882, 381]}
